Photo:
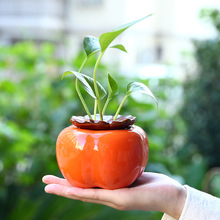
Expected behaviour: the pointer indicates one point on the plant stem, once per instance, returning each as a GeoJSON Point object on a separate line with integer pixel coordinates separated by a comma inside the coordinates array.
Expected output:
{"type": "Point", "coordinates": [95, 107]}
{"type": "Point", "coordinates": [82, 100]}
{"type": "Point", "coordinates": [105, 106]}
{"type": "Point", "coordinates": [83, 64]}
{"type": "Point", "coordinates": [95, 84]}
{"type": "Point", "coordinates": [78, 90]}
{"type": "Point", "coordinates": [120, 106]}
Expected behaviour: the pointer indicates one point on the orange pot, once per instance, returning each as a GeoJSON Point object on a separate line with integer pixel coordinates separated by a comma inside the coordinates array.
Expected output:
{"type": "Point", "coordinates": [108, 159]}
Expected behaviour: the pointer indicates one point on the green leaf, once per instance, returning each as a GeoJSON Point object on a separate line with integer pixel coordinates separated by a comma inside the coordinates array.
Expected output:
{"type": "Point", "coordinates": [106, 38]}
{"type": "Point", "coordinates": [120, 47]}
{"type": "Point", "coordinates": [112, 87]}
{"type": "Point", "coordinates": [139, 87]}
{"type": "Point", "coordinates": [91, 45]}
{"type": "Point", "coordinates": [66, 73]}
{"type": "Point", "coordinates": [90, 81]}
{"type": "Point", "coordinates": [83, 82]}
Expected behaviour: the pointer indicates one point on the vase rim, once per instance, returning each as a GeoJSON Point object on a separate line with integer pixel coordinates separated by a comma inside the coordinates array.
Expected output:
{"type": "Point", "coordinates": [121, 122]}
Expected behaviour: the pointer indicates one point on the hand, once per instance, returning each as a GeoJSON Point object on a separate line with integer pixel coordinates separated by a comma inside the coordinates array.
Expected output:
{"type": "Point", "coordinates": [151, 191]}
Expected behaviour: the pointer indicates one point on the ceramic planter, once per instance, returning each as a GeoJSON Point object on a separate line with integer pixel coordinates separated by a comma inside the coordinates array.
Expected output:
{"type": "Point", "coordinates": [108, 159]}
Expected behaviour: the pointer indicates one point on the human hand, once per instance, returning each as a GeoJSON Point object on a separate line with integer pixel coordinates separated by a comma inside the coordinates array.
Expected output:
{"type": "Point", "coordinates": [152, 191]}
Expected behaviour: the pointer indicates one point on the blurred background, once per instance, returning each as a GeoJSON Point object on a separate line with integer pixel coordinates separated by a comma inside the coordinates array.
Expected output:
{"type": "Point", "coordinates": [176, 52]}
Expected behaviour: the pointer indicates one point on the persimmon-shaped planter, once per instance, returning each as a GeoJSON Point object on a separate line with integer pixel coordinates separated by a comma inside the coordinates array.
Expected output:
{"type": "Point", "coordinates": [109, 157]}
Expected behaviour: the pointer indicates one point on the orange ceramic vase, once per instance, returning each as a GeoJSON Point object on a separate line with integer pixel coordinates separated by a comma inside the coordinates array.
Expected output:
{"type": "Point", "coordinates": [108, 159]}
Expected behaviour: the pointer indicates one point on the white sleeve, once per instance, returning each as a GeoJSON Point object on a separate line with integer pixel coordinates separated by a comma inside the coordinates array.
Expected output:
{"type": "Point", "coordinates": [198, 205]}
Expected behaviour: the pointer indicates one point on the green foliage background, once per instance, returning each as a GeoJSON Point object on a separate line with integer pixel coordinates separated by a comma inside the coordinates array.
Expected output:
{"type": "Point", "coordinates": [35, 105]}
{"type": "Point", "coordinates": [202, 97]}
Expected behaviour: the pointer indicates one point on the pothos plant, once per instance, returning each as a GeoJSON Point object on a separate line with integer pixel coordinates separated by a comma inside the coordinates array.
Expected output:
{"type": "Point", "coordinates": [104, 151]}
{"type": "Point", "coordinates": [93, 45]}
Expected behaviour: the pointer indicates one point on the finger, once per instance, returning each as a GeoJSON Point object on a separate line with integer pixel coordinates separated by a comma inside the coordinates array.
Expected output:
{"type": "Point", "coordinates": [103, 195]}
{"type": "Point", "coordinates": [50, 179]}
{"type": "Point", "coordinates": [71, 192]}
{"type": "Point", "coordinates": [57, 189]}
{"type": "Point", "coordinates": [114, 198]}
{"type": "Point", "coordinates": [95, 194]}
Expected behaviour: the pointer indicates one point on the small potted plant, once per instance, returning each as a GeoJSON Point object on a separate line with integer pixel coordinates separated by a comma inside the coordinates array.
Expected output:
{"type": "Point", "coordinates": [99, 150]}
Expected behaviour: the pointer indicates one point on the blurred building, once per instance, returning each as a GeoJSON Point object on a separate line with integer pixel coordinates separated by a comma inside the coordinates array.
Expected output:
{"type": "Point", "coordinates": [154, 43]}
{"type": "Point", "coordinates": [58, 21]}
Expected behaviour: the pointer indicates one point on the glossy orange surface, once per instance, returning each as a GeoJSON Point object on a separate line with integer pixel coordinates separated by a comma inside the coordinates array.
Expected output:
{"type": "Point", "coordinates": [108, 159]}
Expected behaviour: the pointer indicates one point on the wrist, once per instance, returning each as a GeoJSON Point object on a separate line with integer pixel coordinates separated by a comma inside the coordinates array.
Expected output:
{"type": "Point", "coordinates": [177, 202]}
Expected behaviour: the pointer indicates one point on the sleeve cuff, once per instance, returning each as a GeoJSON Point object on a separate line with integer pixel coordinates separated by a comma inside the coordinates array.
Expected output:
{"type": "Point", "coordinates": [167, 217]}
{"type": "Point", "coordinates": [198, 205]}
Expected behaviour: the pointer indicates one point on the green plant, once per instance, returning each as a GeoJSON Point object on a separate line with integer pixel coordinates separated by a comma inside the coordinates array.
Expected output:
{"type": "Point", "coordinates": [91, 46]}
